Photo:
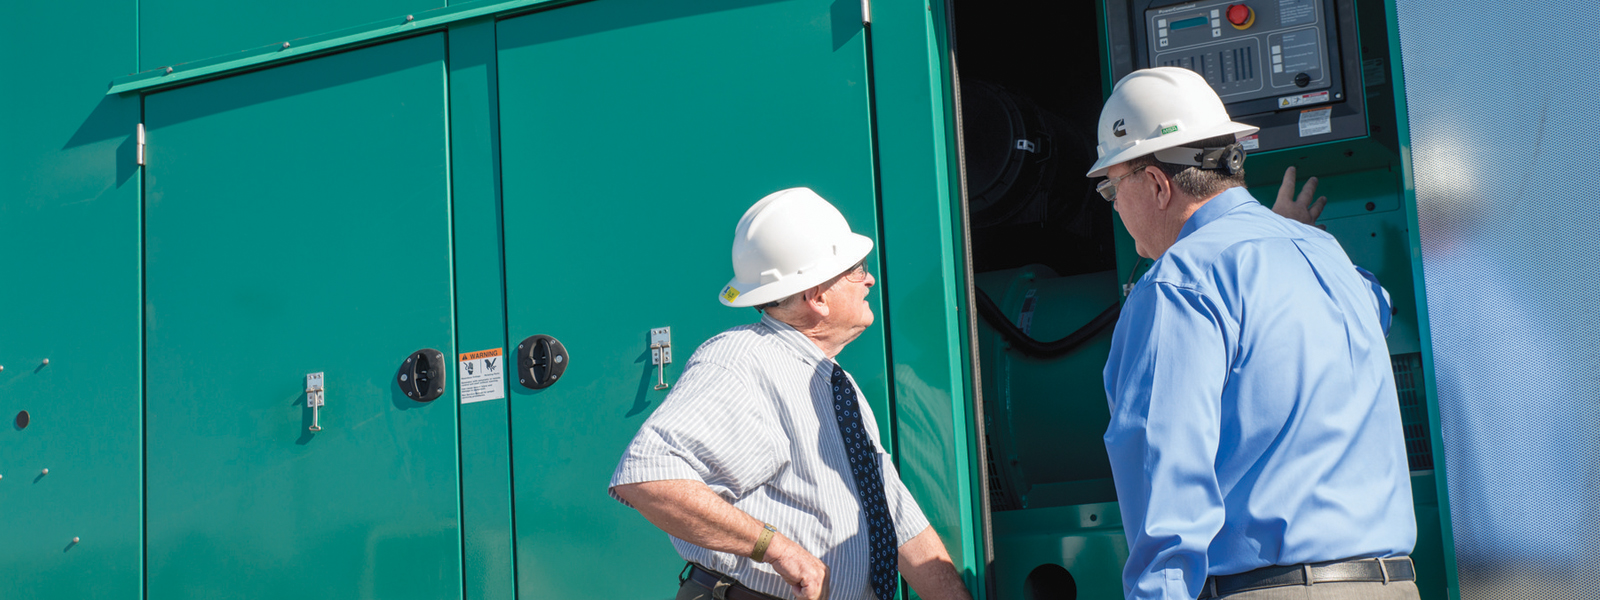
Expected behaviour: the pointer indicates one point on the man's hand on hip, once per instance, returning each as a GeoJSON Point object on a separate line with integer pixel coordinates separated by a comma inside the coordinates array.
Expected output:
{"type": "Point", "coordinates": [691, 512]}
{"type": "Point", "coordinates": [806, 575]}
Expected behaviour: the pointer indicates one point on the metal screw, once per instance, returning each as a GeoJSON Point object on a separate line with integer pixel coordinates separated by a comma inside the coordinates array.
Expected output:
{"type": "Point", "coordinates": [2, 367]}
{"type": "Point", "coordinates": [169, 70]}
{"type": "Point", "coordinates": [45, 472]}
{"type": "Point", "coordinates": [286, 45]}
{"type": "Point", "coordinates": [74, 539]}
{"type": "Point", "coordinates": [409, 18]}
{"type": "Point", "coordinates": [47, 361]}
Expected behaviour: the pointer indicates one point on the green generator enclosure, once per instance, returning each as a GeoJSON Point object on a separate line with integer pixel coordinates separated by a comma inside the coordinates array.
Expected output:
{"type": "Point", "coordinates": [277, 273]}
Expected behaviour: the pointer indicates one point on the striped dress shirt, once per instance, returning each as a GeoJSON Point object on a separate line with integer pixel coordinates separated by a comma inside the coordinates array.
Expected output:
{"type": "Point", "coordinates": [752, 417]}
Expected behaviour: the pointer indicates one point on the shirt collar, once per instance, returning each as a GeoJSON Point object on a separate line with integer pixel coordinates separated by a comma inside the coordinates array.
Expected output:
{"type": "Point", "coordinates": [795, 341]}
{"type": "Point", "coordinates": [1214, 208]}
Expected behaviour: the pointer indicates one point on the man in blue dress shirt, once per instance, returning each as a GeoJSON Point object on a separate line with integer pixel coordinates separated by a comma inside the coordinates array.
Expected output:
{"type": "Point", "coordinates": [1255, 433]}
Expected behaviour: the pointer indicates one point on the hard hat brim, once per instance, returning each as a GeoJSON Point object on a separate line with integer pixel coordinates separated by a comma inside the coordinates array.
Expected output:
{"type": "Point", "coordinates": [1151, 146]}
{"type": "Point", "coordinates": [751, 293]}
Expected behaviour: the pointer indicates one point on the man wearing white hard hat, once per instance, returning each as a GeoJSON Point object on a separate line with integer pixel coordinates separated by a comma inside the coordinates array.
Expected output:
{"type": "Point", "coordinates": [764, 463]}
{"type": "Point", "coordinates": [1255, 434]}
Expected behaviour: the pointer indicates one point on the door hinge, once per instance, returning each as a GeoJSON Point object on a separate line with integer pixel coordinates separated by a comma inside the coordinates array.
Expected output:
{"type": "Point", "coordinates": [866, 12]}
{"type": "Point", "coordinates": [140, 151]}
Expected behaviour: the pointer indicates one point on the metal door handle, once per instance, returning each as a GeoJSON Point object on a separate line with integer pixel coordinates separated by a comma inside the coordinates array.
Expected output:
{"type": "Point", "coordinates": [661, 353]}
{"type": "Point", "coordinates": [314, 399]}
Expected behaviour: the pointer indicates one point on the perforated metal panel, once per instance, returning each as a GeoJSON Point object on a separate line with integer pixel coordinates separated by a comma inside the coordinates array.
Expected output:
{"type": "Point", "coordinates": [1503, 102]}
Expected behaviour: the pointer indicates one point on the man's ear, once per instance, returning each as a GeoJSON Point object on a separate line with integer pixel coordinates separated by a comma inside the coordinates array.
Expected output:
{"type": "Point", "coordinates": [1163, 189]}
{"type": "Point", "coordinates": [816, 300]}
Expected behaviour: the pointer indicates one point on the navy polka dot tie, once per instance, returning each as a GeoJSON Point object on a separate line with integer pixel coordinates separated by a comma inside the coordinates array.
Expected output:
{"type": "Point", "coordinates": [882, 551]}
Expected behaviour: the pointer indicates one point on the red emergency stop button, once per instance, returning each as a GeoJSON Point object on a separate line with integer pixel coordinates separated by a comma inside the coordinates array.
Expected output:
{"type": "Point", "coordinates": [1241, 16]}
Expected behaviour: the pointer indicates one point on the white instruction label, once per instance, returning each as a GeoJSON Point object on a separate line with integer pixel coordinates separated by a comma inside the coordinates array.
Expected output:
{"type": "Point", "coordinates": [1316, 121]}
{"type": "Point", "coordinates": [482, 376]}
{"type": "Point", "coordinates": [1250, 142]}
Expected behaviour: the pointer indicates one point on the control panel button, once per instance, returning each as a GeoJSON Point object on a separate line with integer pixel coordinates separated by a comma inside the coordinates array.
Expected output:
{"type": "Point", "coordinates": [1241, 16]}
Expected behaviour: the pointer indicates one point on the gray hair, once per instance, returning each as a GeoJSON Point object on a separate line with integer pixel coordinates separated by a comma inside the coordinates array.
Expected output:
{"type": "Point", "coordinates": [1194, 181]}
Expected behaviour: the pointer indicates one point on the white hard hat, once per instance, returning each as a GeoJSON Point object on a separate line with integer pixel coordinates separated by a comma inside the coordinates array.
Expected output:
{"type": "Point", "coordinates": [788, 242]}
{"type": "Point", "coordinates": [1152, 110]}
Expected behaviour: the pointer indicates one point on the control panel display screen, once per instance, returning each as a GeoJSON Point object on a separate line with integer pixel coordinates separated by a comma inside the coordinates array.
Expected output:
{"type": "Point", "coordinates": [1247, 50]}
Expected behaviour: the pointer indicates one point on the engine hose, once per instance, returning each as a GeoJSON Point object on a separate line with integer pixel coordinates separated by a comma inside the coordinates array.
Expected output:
{"type": "Point", "coordinates": [1038, 349]}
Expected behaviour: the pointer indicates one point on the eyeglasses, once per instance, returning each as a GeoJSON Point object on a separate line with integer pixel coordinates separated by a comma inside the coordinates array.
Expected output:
{"type": "Point", "coordinates": [858, 273]}
{"type": "Point", "coordinates": [1108, 188]}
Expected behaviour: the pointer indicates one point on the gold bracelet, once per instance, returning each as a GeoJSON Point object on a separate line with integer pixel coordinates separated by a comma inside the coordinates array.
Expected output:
{"type": "Point", "coordinates": [762, 542]}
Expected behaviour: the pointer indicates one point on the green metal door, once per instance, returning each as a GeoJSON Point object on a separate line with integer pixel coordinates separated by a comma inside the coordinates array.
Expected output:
{"type": "Point", "coordinates": [634, 134]}
{"type": "Point", "coordinates": [297, 222]}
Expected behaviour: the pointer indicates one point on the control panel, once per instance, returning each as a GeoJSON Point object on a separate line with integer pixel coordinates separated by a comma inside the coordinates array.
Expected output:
{"type": "Point", "coordinates": [1290, 67]}
{"type": "Point", "coordinates": [1274, 49]}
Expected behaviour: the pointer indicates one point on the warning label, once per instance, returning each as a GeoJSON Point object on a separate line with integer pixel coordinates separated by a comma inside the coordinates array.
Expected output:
{"type": "Point", "coordinates": [1303, 99]}
{"type": "Point", "coordinates": [482, 376]}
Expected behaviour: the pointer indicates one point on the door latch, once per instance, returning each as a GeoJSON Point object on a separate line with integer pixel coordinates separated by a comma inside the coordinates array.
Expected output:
{"type": "Point", "coordinates": [314, 398]}
{"type": "Point", "coordinates": [541, 360]}
{"type": "Point", "coordinates": [422, 376]}
{"type": "Point", "coordinates": [661, 353]}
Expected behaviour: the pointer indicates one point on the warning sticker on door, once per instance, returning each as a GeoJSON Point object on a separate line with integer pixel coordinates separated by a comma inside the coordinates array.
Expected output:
{"type": "Point", "coordinates": [1316, 121]}
{"type": "Point", "coordinates": [482, 376]}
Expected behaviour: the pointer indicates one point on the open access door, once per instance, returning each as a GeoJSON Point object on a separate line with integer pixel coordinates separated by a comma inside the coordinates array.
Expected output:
{"type": "Point", "coordinates": [634, 135]}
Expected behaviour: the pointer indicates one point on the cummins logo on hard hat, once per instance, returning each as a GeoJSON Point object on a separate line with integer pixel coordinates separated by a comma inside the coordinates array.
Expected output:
{"type": "Point", "coordinates": [788, 242]}
{"type": "Point", "coordinates": [1152, 110]}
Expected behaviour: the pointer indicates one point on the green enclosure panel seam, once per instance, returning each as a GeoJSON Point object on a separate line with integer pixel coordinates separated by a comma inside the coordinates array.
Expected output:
{"type": "Point", "coordinates": [487, 563]}
{"type": "Point", "coordinates": [338, 41]}
{"type": "Point", "coordinates": [455, 317]}
{"type": "Point", "coordinates": [144, 455]}
{"type": "Point", "coordinates": [883, 242]}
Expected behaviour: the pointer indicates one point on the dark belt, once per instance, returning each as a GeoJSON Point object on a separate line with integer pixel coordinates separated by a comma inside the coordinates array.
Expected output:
{"type": "Point", "coordinates": [1361, 569]}
{"type": "Point", "coordinates": [722, 586]}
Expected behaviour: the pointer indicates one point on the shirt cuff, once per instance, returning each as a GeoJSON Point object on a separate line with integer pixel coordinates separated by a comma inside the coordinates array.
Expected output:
{"type": "Point", "coordinates": [640, 470]}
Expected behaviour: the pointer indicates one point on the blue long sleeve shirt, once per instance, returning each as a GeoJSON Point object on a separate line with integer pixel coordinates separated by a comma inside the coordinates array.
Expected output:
{"type": "Point", "coordinates": [1254, 420]}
